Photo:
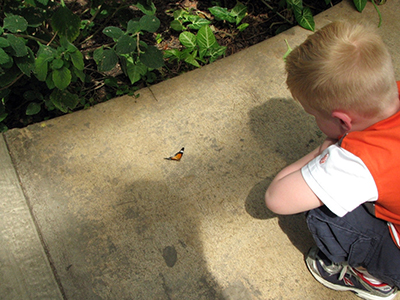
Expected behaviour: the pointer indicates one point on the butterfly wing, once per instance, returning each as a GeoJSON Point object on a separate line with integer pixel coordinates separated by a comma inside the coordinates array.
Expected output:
{"type": "Point", "coordinates": [177, 155]}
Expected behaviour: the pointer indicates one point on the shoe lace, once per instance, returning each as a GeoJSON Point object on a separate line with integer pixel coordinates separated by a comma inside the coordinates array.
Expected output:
{"type": "Point", "coordinates": [344, 270]}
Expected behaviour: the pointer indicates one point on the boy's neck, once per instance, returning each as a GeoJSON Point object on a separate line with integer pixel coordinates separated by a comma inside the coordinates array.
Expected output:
{"type": "Point", "coordinates": [361, 123]}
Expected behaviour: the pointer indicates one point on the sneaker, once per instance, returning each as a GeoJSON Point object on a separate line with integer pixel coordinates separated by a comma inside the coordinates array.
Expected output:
{"type": "Point", "coordinates": [342, 277]}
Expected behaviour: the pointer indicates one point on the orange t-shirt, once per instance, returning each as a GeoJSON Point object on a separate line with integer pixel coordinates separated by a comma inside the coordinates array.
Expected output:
{"type": "Point", "coordinates": [378, 147]}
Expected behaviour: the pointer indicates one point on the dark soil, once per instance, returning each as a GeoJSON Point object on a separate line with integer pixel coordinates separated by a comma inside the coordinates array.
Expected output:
{"type": "Point", "coordinates": [264, 23]}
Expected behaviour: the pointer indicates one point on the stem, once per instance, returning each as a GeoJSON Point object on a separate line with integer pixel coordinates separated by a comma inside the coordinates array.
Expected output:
{"type": "Point", "coordinates": [271, 8]}
{"type": "Point", "coordinates": [25, 36]}
{"type": "Point", "coordinates": [52, 39]}
{"type": "Point", "coordinates": [11, 83]}
{"type": "Point", "coordinates": [106, 22]}
{"type": "Point", "coordinates": [138, 43]}
{"type": "Point", "coordinates": [89, 22]}
{"type": "Point", "coordinates": [379, 13]}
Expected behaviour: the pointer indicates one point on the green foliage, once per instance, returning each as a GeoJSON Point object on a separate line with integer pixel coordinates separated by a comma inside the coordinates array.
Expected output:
{"type": "Point", "coordinates": [66, 23]}
{"type": "Point", "coordinates": [136, 58]}
{"type": "Point", "coordinates": [183, 17]}
{"type": "Point", "coordinates": [360, 4]}
{"type": "Point", "coordinates": [305, 19]}
{"type": "Point", "coordinates": [48, 66]}
{"type": "Point", "coordinates": [303, 15]}
{"type": "Point", "coordinates": [235, 15]}
{"type": "Point", "coordinates": [202, 47]}
{"type": "Point", "coordinates": [43, 66]}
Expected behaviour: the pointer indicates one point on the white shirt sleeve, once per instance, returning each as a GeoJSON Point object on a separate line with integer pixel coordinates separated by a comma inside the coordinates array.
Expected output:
{"type": "Point", "coordinates": [340, 180]}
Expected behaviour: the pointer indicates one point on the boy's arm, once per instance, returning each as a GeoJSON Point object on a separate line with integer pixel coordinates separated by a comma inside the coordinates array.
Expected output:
{"type": "Point", "coordinates": [288, 193]}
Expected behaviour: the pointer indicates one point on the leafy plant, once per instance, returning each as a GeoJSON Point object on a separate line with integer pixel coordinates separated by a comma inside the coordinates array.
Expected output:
{"type": "Point", "coordinates": [202, 47]}
{"type": "Point", "coordinates": [235, 15]}
{"type": "Point", "coordinates": [360, 5]}
{"type": "Point", "coordinates": [136, 58]}
{"type": "Point", "coordinates": [303, 15]}
{"type": "Point", "coordinates": [182, 17]}
{"type": "Point", "coordinates": [43, 66]}
{"type": "Point", "coordinates": [51, 62]}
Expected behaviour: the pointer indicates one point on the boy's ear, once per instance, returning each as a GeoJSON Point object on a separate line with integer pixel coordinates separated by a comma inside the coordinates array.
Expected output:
{"type": "Point", "coordinates": [344, 119]}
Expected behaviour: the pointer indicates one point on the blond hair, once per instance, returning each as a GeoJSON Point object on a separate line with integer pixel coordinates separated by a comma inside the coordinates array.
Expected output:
{"type": "Point", "coordinates": [343, 66]}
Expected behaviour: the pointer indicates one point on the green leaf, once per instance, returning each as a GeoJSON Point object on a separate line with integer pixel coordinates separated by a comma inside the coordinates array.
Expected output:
{"type": "Point", "coordinates": [79, 74]}
{"type": "Point", "coordinates": [41, 68]}
{"type": "Point", "coordinates": [4, 57]}
{"type": "Point", "coordinates": [3, 113]}
{"type": "Point", "coordinates": [106, 60]}
{"type": "Point", "coordinates": [67, 45]}
{"type": "Point", "coordinates": [62, 78]}
{"type": "Point", "coordinates": [146, 7]}
{"type": "Point", "coordinates": [216, 52]}
{"type": "Point", "coordinates": [10, 76]}
{"type": "Point", "coordinates": [66, 23]}
{"type": "Point", "coordinates": [243, 26]}
{"type": "Point", "coordinates": [4, 43]}
{"type": "Point", "coordinates": [64, 100]}
{"type": "Point", "coordinates": [239, 12]}
{"type": "Point", "coordinates": [15, 23]}
{"type": "Point", "coordinates": [133, 27]}
{"type": "Point", "coordinates": [45, 55]}
{"type": "Point", "coordinates": [33, 109]}
{"type": "Point", "coordinates": [221, 14]}
{"type": "Point", "coordinates": [31, 95]}
{"type": "Point", "coordinates": [49, 82]}
{"type": "Point", "coordinates": [18, 45]}
{"type": "Point", "coordinates": [206, 38]}
{"type": "Point", "coordinates": [57, 64]}
{"type": "Point", "coordinates": [198, 23]}
{"type": "Point", "coordinates": [26, 63]}
{"type": "Point", "coordinates": [152, 58]}
{"type": "Point", "coordinates": [3, 116]}
{"type": "Point", "coordinates": [43, 2]}
{"type": "Point", "coordinates": [111, 82]}
{"type": "Point", "coordinates": [98, 54]}
{"type": "Point", "coordinates": [46, 51]}
{"type": "Point", "coordinates": [149, 23]}
{"type": "Point", "coordinates": [296, 5]}
{"type": "Point", "coordinates": [113, 32]}
{"type": "Point", "coordinates": [360, 4]}
{"type": "Point", "coordinates": [135, 71]}
{"type": "Point", "coordinates": [125, 45]}
{"type": "Point", "coordinates": [177, 25]}
{"type": "Point", "coordinates": [306, 19]}
{"type": "Point", "coordinates": [191, 59]}
{"type": "Point", "coordinates": [77, 60]}
{"type": "Point", "coordinates": [188, 39]}
{"type": "Point", "coordinates": [172, 53]}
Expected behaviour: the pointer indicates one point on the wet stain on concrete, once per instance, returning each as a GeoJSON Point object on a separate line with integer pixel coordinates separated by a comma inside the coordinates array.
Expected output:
{"type": "Point", "coordinates": [170, 256]}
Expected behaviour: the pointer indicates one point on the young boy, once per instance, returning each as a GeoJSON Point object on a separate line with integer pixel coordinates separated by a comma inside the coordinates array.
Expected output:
{"type": "Point", "coordinates": [350, 185]}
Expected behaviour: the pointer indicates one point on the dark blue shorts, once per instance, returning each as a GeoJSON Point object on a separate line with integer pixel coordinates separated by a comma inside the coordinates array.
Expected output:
{"type": "Point", "coordinates": [358, 238]}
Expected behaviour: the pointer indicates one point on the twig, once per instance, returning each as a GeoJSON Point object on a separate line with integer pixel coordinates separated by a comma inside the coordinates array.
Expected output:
{"type": "Point", "coordinates": [271, 8]}
{"type": "Point", "coordinates": [11, 83]}
{"type": "Point", "coordinates": [52, 39]}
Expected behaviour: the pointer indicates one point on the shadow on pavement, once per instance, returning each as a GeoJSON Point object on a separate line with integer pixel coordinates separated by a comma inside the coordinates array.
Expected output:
{"type": "Point", "coordinates": [283, 129]}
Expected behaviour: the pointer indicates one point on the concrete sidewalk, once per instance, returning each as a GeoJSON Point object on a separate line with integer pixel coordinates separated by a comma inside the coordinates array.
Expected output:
{"type": "Point", "coordinates": [91, 210]}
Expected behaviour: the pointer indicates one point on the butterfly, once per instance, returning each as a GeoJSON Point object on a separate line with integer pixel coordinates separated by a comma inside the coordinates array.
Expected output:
{"type": "Point", "coordinates": [177, 156]}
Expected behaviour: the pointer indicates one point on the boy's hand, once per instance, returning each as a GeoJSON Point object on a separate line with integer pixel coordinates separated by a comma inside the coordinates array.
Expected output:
{"type": "Point", "coordinates": [328, 142]}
